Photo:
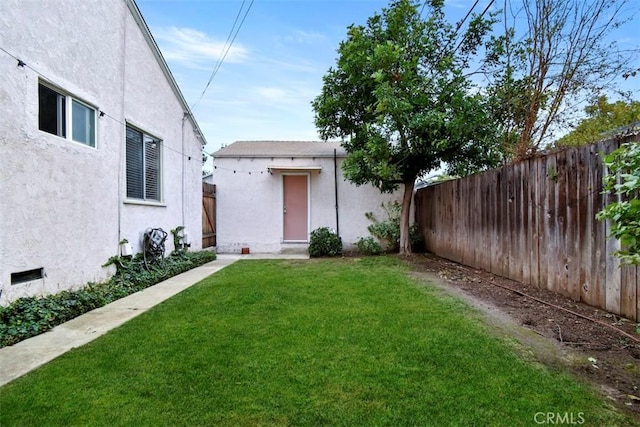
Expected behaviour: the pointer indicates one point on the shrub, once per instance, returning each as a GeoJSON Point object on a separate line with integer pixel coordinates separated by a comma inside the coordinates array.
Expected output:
{"type": "Point", "coordinates": [30, 316]}
{"type": "Point", "coordinates": [324, 242]}
{"type": "Point", "coordinates": [369, 246]}
{"type": "Point", "coordinates": [388, 230]}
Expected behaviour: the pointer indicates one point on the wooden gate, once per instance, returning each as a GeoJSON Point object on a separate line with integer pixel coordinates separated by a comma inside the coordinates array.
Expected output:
{"type": "Point", "coordinates": [208, 215]}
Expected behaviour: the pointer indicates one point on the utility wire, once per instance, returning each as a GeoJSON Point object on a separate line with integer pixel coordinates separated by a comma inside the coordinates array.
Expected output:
{"type": "Point", "coordinates": [486, 9]}
{"type": "Point", "coordinates": [222, 52]}
{"type": "Point", "coordinates": [228, 48]}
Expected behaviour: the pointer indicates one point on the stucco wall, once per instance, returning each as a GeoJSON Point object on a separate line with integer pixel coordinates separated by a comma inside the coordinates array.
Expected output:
{"type": "Point", "coordinates": [249, 206]}
{"type": "Point", "coordinates": [62, 203]}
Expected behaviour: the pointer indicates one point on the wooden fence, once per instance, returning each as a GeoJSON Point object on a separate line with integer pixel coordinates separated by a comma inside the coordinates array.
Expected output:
{"type": "Point", "coordinates": [534, 222]}
{"type": "Point", "coordinates": [208, 215]}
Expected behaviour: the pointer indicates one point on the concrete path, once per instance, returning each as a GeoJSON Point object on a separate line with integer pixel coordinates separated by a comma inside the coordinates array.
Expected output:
{"type": "Point", "coordinates": [29, 354]}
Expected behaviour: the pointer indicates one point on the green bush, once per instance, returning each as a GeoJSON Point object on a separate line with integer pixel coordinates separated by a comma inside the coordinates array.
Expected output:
{"type": "Point", "coordinates": [369, 246]}
{"type": "Point", "coordinates": [388, 231]}
{"type": "Point", "coordinates": [30, 316]}
{"type": "Point", "coordinates": [324, 242]}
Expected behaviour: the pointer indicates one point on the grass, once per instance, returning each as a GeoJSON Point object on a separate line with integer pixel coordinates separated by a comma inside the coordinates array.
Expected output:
{"type": "Point", "coordinates": [323, 342]}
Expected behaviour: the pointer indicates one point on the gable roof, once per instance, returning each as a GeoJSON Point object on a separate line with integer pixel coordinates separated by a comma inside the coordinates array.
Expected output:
{"type": "Point", "coordinates": [137, 15]}
{"type": "Point", "coordinates": [281, 149]}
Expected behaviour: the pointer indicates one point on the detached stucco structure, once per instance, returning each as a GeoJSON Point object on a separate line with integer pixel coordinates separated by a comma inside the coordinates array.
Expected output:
{"type": "Point", "coordinates": [271, 194]}
{"type": "Point", "coordinates": [96, 143]}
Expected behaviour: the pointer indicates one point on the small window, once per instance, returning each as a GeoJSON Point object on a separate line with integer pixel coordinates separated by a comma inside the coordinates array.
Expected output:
{"type": "Point", "coordinates": [83, 121]}
{"type": "Point", "coordinates": [144, 172]}
{"type": "Point", "coordinates": [58, 113]}
{"type": "Point", "coordinates": [27, 276]}
{"type": "Point", "coordinates": [51, 117]}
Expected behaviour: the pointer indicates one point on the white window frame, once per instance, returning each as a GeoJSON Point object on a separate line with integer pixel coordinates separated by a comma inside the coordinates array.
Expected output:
{"type": "Point", "coordinates": [153, 142]}
{"type": "Point", "coordinates": [64, 125]}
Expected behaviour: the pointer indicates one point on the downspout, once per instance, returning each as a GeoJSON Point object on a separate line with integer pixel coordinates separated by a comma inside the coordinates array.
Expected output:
{"type": "Point", "coordinates": [335, 184]}
{"type": "Point", "coordinates": [184, 185]}
{"type": "Point", "coordinates": [123, 143]}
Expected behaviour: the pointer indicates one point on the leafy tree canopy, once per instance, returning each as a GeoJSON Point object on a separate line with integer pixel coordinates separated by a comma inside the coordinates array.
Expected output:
{"type": "Point", "coordinates": [604, 119]}
{"type": "Point", "coordinates": [401, 104]}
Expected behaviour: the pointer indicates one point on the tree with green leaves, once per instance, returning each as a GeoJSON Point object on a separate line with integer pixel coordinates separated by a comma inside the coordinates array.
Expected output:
{"type": "Point", "coordinates": [399, 100]}
{"type": "Point", "coordinates": [623, 179]}
{"type": "Point", "coordinates": [604, 120]}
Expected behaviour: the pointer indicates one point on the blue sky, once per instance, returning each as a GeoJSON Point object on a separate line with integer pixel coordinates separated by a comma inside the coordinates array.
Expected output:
{"type": "Point", "coordinates": [274, 69]}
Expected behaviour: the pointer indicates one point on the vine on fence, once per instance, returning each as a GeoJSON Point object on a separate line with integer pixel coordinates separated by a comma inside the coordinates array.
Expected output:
{"type": "Point", "coordinates": [623, 179]}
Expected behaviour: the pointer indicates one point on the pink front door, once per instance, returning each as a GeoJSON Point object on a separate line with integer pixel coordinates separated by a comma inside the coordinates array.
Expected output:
{"type": "Point", "coordinates": [295, 209]}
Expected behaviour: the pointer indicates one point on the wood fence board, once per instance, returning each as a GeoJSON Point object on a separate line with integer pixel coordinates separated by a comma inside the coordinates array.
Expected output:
{"type": "Point", "coordinates": [444, 235]}
{"type": "Point", "coordinates": [525, 228]}
{"type": "Point", "coordinates": [572, 195]}
{"type": "Point", "coordinates": [459, 232]}
{"type": "Point", "coordinates": [561, 217]}
{"type": "Point", "coordinates": [585, 218]}
{"type": "Point", "coordinates": [506, 222]}
{"type": "Point", "coordinates": [501, 226]}
{"type": "Point", "coordinates": [432, 206]}
{"type": "Point", "coordinates": [491, 220]}
{"type": "Point", "coordinates": [628, 291]}
{"type": "Point", "coordinates": [534, 212]}
{"type": "Point", "coordinates": [599, 267]}
{"type": "Point", "coordinates": [488, 205]}
{"type": "Point", "coordinates": [463, 245]}
{"type": "Point", "coordinates": [453, 235]}
{"type": "Point", "coordinates": [474, 211]}
{"type": "Point", "coordinates": [551, 208]}
{"type": "Point", "coordinates": [512, 214]}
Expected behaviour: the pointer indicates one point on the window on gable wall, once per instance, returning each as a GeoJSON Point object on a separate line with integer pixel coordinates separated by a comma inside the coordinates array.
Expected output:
{"type": "Point", "coordinates": [143, 166]}
{"type": "Point", "coordinates": [66, 117]}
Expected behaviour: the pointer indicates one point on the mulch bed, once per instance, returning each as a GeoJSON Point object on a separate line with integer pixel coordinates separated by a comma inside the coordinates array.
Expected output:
{"type": "Point", "coordinates": [602, 353]}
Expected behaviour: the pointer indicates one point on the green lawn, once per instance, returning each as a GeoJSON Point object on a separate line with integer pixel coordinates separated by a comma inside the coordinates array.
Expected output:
{"type": "Point", "coordinates": [324, 342]}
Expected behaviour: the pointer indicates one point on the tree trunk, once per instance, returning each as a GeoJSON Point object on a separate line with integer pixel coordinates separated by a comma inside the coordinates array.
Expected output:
{"type": "Point", "coordinates": [405, 240]}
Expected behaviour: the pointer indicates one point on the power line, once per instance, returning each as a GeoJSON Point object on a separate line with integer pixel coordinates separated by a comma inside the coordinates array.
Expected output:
{"type": "Point", "coordinates": [486, 9]}
{"type": "Point", "coordinates": [228, 48]}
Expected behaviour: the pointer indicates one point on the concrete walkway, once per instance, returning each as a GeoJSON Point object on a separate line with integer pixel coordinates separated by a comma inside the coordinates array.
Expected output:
{"type": "Point", "coordinates": [29, 354]}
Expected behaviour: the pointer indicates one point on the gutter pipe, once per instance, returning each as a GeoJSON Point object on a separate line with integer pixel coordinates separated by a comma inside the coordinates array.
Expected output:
{"type": "Point", "coordinates": [335, 183]}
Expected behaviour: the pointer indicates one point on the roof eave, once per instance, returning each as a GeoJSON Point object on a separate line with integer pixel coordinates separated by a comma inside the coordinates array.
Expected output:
{"type": "Point", "coordinates": [277, 156]}
{"type": "Point", "coordinates": [137, 15]}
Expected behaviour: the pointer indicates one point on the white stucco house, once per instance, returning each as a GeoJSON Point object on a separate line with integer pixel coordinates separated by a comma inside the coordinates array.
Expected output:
{"type": "Point", "coordinates": [96, 143]}
{"type": "Point", "coordinates": [271, 194]}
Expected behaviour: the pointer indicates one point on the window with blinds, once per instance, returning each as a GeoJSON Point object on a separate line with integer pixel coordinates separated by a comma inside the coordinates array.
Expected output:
{"type": "Point", "coordinates": [143, 166]}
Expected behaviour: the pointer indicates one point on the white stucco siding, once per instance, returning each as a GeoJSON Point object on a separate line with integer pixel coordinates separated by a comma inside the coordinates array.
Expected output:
{"type": "Point", "coordinates": [59, 197]}
{"type": "Point", "coordinates": [354, 201]}
{"type": "Point", "coordinates": [250, 207]}
{"type": "Point", "coordinates": [61, 202]}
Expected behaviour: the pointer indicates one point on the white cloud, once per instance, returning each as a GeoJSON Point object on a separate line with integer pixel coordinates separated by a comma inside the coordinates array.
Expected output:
{"type": "Point", "coordinates": [305, 37]}
{"type": "Point", "coordinates": [195, 49]}
{"type": "Point", "coordinates": [272, 93]}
